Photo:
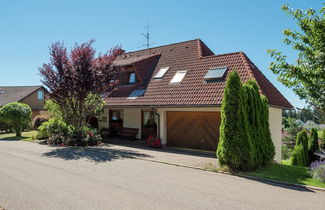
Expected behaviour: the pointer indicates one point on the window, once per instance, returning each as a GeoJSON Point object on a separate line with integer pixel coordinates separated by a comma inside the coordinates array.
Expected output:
{"type": "Point", "coordinates": [116, 116]}
{"type": "Point", "coordinates": [40, 95]}
{"type": "Point", "coordinates": [127, 78]}
{"type": "Point", "coordinates": [179, 76]}
{"type": "Point", "coordinates": [136, 93]}
{"type": "Point", "coordinates": [131, 78]}
{"type": "Point", "coordinates": [161, 73]}
{"type": "Point", "coordinates": [215, 73]}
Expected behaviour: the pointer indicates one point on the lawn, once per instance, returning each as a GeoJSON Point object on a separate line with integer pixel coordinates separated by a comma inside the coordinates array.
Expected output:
{"type": "Point", "coordinates": [286, 173]}
{"type": "Point", "coordinates": [26, 136]}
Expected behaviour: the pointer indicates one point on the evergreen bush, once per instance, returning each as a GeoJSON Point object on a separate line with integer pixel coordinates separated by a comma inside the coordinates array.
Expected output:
{"type": "Point", "coordinates": [313, 145]}
{"type": "Point", "coordinates": [298, 157]}
{"type": "Point", "coordinates": [302, 138]}
{"type": "Point", "coordinates": [235, 148]}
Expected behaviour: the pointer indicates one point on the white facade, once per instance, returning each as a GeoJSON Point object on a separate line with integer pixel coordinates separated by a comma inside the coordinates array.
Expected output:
{"type": "Point", "coordinates": [132, 119]}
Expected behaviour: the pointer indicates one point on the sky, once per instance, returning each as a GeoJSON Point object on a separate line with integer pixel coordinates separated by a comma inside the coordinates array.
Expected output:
{"type": "Point", "coordinates": [27, 29]}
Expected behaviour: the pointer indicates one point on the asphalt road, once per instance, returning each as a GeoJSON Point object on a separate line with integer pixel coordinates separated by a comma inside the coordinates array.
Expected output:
{"type": "Point", "coordinates": [34, 176]}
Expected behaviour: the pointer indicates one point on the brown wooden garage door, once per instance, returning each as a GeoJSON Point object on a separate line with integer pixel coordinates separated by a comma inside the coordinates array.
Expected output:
{"type": "Point", "coordinates": [196, 130]}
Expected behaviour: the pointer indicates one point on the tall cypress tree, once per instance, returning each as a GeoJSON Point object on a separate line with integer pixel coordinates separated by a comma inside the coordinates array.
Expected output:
{"type": "Point", "coordinates": [235, 146]}
{"type": "Point", "coordinates": [302, 138]}
{"type": "Point", "coordinates": [269, 150]}
{"type": "Point", "coordinates": [313, 145]}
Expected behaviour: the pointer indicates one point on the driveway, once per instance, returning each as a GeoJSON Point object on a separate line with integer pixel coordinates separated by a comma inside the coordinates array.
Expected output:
{"type": "Point", "coordinates": [34, 176]}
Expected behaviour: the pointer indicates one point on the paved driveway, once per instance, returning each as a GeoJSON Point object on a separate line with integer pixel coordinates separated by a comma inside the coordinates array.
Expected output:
{"type": "Point", "coordinates": [34, 176]}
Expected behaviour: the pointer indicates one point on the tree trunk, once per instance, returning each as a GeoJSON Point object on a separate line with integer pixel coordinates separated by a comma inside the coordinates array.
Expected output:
{"type": "Point", "coordinates": [18, 133]}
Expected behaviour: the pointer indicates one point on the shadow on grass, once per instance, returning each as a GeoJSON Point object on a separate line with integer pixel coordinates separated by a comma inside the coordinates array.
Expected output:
{"type": "Point", "coordinates": [96, 154]}
{"type": "Point", "coordinates": [14, 138]}
{"type": "Point", "coordinates": [283, 173]}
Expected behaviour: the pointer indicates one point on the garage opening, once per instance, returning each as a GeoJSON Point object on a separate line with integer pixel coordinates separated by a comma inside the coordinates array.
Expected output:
{"type": "Point", "coordinates": [194, 130]}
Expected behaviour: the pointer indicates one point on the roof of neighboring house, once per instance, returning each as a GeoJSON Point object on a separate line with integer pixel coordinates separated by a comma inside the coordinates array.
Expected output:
{"type": "Point", "coordinates": [196, 58]}
{"type": "Point", "coordinates": [10, 94]}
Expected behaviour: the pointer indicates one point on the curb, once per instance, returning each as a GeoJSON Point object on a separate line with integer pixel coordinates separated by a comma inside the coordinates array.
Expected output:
{"type": "Point", "coordinates": [227, 173]}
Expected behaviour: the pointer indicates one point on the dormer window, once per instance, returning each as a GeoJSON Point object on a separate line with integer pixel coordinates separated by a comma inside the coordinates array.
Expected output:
{"type": "Point", "coordinates": [215, 73]}
{"type": "Point", "coordinates": [127, 78]}
{"type": "Point", "coordinates": [132, 79]}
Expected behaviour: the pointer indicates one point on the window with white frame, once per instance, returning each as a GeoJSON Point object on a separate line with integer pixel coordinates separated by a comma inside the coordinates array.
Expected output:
{"type": "Point", "coordinates": [179, 76]}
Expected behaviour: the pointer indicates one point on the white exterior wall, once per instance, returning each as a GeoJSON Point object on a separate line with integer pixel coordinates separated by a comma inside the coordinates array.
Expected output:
{"type": "Point", "coordinates": [275, 120]}
{"type": "Point", "coordinates": [132, 119]}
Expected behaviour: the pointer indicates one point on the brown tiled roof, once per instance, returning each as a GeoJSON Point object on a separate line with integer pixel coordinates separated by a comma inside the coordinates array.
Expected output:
{"type": "Point", "coordinates": [10, 94]}
{"type": "Point", "coordinates": [196, 58]}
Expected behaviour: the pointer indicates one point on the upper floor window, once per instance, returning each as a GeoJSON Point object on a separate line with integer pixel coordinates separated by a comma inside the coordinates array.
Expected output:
{"type": "Point", "coordinates": [128, 78]}
{"type": "Point", "coordinates": [179, 76]}
{"type": "Point", "coordinates": [132, 78]}
{"type": "Point", "coordinates": [40, 95]}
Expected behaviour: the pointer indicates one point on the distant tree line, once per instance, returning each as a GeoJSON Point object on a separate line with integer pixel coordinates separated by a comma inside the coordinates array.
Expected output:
{"type": "Point", "coordinates": [304, 115]}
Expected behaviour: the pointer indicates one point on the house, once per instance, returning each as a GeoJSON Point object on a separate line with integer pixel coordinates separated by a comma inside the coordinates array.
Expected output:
{"type": "Point", "coordinates": [175, 92]}
{"type": "Point", "coordinates": [34, 96]}
{"type": "Point", "coordinates": [310, 125]}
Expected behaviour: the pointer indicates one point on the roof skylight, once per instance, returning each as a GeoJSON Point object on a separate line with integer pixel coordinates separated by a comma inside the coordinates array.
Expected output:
{"type": "Point", "coordinates": [161, 73]}
{"type": "Point", "coordinates": [215, 73]}
{"type": "Point", "coordinates": [136, 93]}
{"type": "Point", "coordinates": [179, 76]}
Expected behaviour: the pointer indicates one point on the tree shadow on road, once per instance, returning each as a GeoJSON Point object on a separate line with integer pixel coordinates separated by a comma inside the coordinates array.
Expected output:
{"type": "Point", "coordinates": [94, 154]}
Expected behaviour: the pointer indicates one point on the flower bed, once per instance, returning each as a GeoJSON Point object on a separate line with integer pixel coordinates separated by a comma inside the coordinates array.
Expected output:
{"type": "Point", "coordinates": [317, 169]}
{"type": "Point", "coordinates": [154, 142]}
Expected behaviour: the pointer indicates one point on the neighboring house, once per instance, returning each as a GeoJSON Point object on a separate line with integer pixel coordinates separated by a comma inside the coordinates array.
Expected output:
{"type": "Point", "coordinates": [300, 122]}
{"type": "Point", "coordinates": [175, 92]}
{"type": "Point", "coordinates": [310, 124]}
{"type": "Point", "coordinates": [34, 96]}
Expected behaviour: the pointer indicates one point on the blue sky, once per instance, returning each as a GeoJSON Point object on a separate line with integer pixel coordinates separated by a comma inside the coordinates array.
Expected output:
{"type": "Point", "coordinates": [27, 28]}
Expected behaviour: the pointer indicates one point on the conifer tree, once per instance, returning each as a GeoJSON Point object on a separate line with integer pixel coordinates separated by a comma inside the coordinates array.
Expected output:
{"type": "Point", "coordinates": [235, 146]}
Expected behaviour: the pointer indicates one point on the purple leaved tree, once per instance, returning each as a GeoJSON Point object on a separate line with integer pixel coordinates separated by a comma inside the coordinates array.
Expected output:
{"type": "Point", "coordinates": [77, 81]}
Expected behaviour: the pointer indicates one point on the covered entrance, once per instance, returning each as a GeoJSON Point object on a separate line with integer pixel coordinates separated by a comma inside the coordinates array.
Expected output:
{"type": "Point", "coordinates": [149, 124]}
{"type": "Point", "coordinates": [195, 130]}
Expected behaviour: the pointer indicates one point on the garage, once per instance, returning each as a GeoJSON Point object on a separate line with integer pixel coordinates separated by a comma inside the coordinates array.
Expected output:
{"type": "Point", "coordinates": [194, 130]}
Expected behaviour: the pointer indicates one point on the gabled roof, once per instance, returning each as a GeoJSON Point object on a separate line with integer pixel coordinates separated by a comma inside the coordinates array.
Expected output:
{"type": "Point", "coordinates": [196, 58]}
{"type": "Point", "coordinates": [10, 94]}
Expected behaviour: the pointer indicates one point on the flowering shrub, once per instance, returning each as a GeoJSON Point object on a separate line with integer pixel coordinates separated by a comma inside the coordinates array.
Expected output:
{"type": "Point", "coordinates": [317, 169]}
{"type": "Point", "coordinates": [153, 141]}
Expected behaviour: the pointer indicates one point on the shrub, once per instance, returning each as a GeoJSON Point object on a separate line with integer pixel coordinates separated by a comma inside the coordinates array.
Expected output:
{"type": "Point", "coordinates": [89, 137]}
{"type": "Point", "coordinates": [43, 131]}
{"type": "Point", "coordinates": [313, 145]}
{"type": "Point", "coordinates": [104, 132]}
{"type": "Point", "coordinates": [302, 138]}
{"type": "Point", "coordinates": [298, 157]}
{"type": "Point", "coordinates": [38, 121]}
{"type": "Point", "coordinates": [317, 169]}
{"type": "Point", "coordinates": [17, 115]}
{"type": "Point", "coordinates": [235, 146]}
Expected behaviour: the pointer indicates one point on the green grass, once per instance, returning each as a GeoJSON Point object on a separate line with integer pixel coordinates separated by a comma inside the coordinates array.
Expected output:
{"type": "Point", "coordinates": [286, 173]}
{"type": "Point", "coordinates": [26, 136]}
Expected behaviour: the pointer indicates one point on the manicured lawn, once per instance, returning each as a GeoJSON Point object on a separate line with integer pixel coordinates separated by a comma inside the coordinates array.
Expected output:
{"type": "Point", "coordinates": [26, 136]}
{"type": "Point", "coordinates": [286, 173]}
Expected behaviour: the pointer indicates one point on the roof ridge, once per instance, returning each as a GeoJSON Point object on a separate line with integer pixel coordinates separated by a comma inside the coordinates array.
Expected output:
{"type": "Point", "coordinates": [22, 86]}
{"type": "Point", "coordinates": [163, 46]}
{"type": "Point", "coordinates": [224, 54]}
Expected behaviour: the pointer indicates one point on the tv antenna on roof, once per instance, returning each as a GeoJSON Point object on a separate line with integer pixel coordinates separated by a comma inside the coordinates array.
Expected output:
{"type": "Point", "coordinates": [147, 36]}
